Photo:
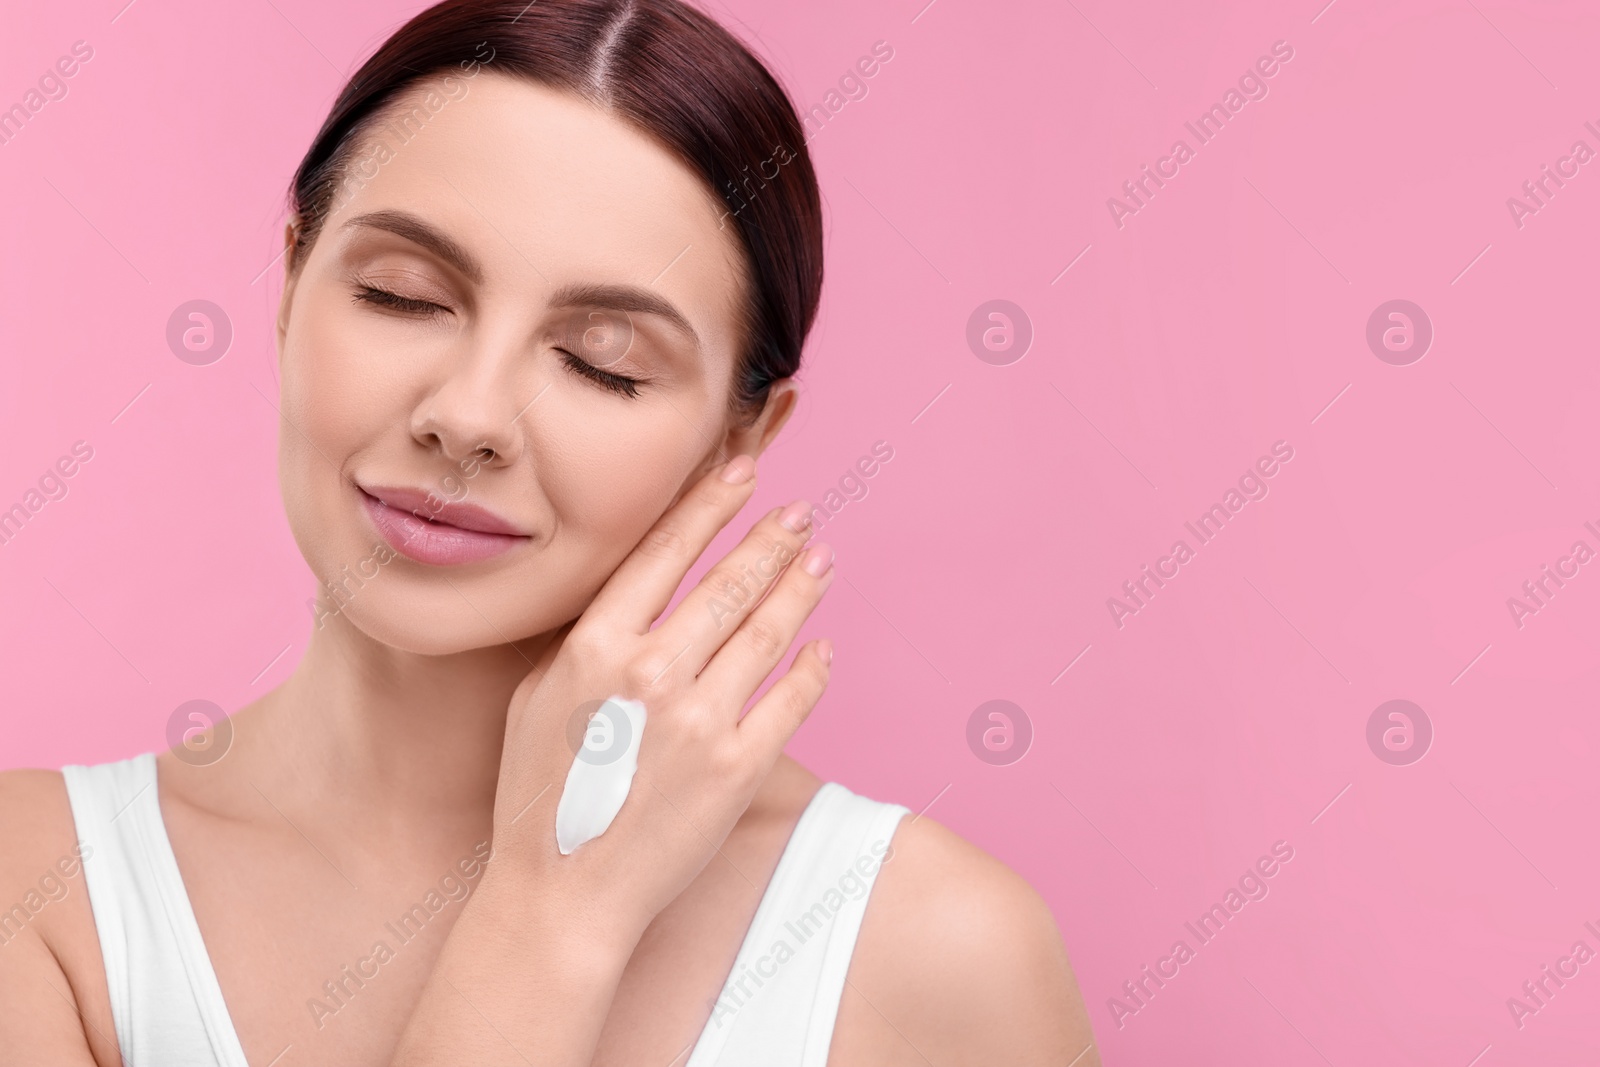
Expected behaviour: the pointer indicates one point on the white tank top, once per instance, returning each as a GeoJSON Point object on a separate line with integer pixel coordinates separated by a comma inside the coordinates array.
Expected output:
{"type": "Point", "coordinates": [777, 1007]}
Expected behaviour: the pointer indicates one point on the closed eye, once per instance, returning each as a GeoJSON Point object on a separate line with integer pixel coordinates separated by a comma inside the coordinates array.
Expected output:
{"type": "Point", "coordinates": [616, 383]}
{"type": "Point", "coordinates": [396, 302]}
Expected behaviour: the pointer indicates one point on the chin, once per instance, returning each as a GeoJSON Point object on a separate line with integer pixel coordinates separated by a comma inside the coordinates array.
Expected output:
{"type": "Point", "coordinates": [422, 628]}
{"type": "Point", "coordinates": [427, 616]}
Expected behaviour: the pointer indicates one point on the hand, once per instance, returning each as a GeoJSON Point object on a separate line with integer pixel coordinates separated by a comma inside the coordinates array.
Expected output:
{"type": "Point", "coordinates": [699, 762]}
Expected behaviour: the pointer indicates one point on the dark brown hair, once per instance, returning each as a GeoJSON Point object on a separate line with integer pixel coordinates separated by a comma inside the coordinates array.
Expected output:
{"type": "Point", "coordinates": [669, 70]}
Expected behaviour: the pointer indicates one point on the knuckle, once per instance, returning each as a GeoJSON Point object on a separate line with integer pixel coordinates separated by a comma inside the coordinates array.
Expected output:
{"type": "Point", "coordinates": [666, 542]}
{"type": "Point", "coordinates": [730, 583]}
{"type": "Point", "coordinates": [776, 552]}
{"type": "Point", "coordinates": [764, 638]}
{"type": "Point", "coordinates": [793, 599]}
{"type": "Point", "coordinates": [795, 702]}
{"type": "Point", "coordinates": [646, 673]}
{"type": "Point", "coordinates": [797, 594]}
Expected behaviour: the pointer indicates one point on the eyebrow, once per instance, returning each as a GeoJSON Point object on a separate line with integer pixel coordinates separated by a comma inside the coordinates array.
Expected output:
{"type": "Point", "coordinates": [580, 294]}
{"type": "Point", "coordinates": [623, 298]}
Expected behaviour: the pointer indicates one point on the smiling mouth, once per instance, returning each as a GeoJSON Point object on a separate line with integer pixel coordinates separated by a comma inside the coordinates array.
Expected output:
{"type": "Point", "coordinates": [434, 540]}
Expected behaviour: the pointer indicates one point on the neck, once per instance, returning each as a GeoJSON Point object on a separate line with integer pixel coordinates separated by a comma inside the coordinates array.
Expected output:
{"type": "Point", "coordinates": [386, 741]}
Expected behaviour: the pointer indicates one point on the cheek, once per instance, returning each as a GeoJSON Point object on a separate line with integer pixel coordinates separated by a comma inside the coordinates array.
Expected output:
{"type": "Point", "coordinates": [609, 470]}
{"type": "Point", "coordinates": [344, 372]}
{"type": "Point", "coordinates": [334, 397]}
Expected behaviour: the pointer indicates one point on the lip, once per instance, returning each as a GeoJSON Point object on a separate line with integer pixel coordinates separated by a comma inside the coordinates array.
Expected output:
{"type": "Point", "coordinates": [449, 533]}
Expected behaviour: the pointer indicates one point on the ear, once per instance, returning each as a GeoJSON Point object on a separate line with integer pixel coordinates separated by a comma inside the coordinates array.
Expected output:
{"type": "Point", "coordinates": [782, 398]}
{"type": "Point", "coordinates": [291, 275]}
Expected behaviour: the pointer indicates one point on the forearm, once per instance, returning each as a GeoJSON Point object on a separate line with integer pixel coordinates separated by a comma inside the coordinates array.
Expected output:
{"type": "Point", "coordinates": [523, 980]}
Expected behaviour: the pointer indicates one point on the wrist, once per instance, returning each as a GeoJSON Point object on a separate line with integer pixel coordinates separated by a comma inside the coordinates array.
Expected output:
{"type": "Point", "coordinates": [528, 908]}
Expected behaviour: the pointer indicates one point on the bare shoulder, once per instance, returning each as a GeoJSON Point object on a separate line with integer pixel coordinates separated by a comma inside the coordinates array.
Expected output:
{"type": "Point", "coordinates": [49, 954]}
{"type": "Point", "coordinates": [959, 959]}
{"type": "Point", "coordinates": [35, 825]}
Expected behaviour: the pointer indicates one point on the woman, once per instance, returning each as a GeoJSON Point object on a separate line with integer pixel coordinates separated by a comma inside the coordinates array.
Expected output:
{"type": "Point", "coordinates": [548, 274]}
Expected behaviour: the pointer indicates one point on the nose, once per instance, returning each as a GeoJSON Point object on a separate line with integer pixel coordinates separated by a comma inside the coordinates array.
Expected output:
{"type": "Point", "coordinates": [472, 411]}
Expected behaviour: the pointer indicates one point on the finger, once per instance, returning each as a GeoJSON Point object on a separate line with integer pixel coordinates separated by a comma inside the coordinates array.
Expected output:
{"type": "Point", "coordinates": [761, 641]}
{"type": "Point", "coordinates": [639, 590]}
{"type": "Point", "coordinates": [780, 711]}
{"type": "Point", "coordinates": [727, 594]}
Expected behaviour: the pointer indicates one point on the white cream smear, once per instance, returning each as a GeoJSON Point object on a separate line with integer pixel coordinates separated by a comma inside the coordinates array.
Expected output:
{"type": "Point", "coordinates": [601, 775]}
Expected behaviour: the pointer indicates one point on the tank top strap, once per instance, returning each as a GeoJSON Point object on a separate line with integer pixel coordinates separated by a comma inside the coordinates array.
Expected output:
{"type": "Point", "coordinates": [781, 999]}
{"type": "Point", "coordinates": [165, 1001]}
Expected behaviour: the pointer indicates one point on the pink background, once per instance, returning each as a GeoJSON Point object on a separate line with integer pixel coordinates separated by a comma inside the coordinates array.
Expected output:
{"type": "Point", "coordinates": [1224, 316]}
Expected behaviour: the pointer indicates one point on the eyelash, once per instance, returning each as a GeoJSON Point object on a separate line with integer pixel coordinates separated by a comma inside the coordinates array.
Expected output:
{"type": "Point", "coordinates": [615, 383]}
{"type": "Point", "coordinates": [384, 298]}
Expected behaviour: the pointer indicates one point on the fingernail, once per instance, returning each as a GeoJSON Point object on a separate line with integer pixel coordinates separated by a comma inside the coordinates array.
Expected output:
{"type": "Point", "coordinates": [740, 468]}
{"type": "Point", "coordinates": [818, 559]}
{"type": "Point", "coordinates": [825, 650]}
{"type": "Point", "coordinates": [796, 516]}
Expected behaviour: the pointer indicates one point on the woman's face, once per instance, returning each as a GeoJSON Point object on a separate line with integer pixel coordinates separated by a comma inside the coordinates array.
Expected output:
{"type": "Point", "coordinates": [538, 252]}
